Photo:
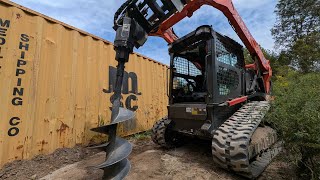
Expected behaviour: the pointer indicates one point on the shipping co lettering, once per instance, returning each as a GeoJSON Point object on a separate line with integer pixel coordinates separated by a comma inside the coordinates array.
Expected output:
{"type": "Point", "coordinates": [18, 90]}
{"type": "Point", "coordinates": [126, 89]}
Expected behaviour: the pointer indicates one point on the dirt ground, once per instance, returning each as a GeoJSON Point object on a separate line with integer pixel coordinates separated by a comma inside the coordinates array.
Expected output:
{"type": "Point", "coordinates": [192, 161]}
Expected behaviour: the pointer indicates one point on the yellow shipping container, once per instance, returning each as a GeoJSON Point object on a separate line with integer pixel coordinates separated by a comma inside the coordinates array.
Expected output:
{"type": "Point", "coordinates": [56, 83]}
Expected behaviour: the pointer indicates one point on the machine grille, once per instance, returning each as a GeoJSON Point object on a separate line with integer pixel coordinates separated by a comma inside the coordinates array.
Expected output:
{"type": "Point", "coordinates": [228, 79]}
{"type": "Point", "coordinates": [185, 67]}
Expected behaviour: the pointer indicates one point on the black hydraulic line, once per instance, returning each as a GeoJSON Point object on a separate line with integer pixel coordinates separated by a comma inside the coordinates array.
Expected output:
{"type": "Point", "coordinates": [120, 11]}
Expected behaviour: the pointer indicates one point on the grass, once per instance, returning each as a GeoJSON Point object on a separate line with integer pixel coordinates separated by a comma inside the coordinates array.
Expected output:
{"type": "Point", "coordinates": [142, 135]}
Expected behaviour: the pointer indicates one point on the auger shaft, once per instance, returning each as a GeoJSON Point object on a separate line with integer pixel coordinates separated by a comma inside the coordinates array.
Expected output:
{"type": "Point", "coordinates": [115, 112]}
{"type": "Point", "coordinates": [117, 90]}
{"type": "Point", "coordinates": [117, 149]}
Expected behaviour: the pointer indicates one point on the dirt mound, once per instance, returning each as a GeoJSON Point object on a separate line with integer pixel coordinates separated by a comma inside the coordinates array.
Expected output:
{"type": "Point", "coordinates": [149, 161]}
{"type": "Point", "coordinates": [44, 164]}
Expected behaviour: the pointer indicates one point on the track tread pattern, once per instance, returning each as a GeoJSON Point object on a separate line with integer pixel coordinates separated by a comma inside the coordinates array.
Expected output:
{"type": "Point", "coordinates": [231, 148]}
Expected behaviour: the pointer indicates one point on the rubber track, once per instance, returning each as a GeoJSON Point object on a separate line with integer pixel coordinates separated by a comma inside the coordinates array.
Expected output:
{"type": "Point", "coordinates": [231, 148]}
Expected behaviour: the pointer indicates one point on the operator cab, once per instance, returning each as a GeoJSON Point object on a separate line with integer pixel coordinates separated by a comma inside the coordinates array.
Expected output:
{"type": "Point", "coordinates": [206, 67]}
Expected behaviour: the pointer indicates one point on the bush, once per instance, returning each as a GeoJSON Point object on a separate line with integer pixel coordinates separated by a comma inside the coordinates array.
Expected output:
{"type": "Point", "coordinates": [295, 114]}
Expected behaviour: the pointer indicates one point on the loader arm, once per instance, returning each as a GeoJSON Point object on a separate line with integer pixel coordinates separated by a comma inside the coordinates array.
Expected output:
{"type": "Point", "coordinates": [172, 11]}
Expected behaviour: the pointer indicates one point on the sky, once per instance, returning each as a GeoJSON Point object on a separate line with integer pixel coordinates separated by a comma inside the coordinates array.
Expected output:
{"type": "Point", "coordinates": [96, 17]}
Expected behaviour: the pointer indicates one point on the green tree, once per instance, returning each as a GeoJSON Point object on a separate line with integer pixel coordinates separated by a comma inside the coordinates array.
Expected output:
{"type": "Point", "coordinates": [297, 32]}
{"type": "Point", "coordinates": [305, 52]}
{"type": "Point", "coordinates": [296, 19]}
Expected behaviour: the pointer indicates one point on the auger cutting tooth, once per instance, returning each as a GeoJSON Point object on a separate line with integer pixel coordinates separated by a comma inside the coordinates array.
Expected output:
{"type": "Point", "coordinates": [119, 151]}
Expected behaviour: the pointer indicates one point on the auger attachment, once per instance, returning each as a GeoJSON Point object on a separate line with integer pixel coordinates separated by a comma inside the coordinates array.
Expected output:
{"type": "Point", "coordinates": [117, 166]}
{"type": "Point", "coordinates": [117, 149]}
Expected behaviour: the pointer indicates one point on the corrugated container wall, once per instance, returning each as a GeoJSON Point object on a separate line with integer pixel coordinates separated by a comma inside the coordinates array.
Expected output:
{"type": "Point", "coordinates": [56, 83]}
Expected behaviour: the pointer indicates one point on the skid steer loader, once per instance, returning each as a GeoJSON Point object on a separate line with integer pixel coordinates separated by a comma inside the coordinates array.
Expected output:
{"type": "Point", "coordinates": [213, 93]}
{"type": "Point", "coordinates": [208, 76]}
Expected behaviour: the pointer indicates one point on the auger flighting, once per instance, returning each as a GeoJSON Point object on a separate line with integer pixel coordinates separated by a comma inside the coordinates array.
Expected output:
{"type": "Point", "coordinates": [128, 35]}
